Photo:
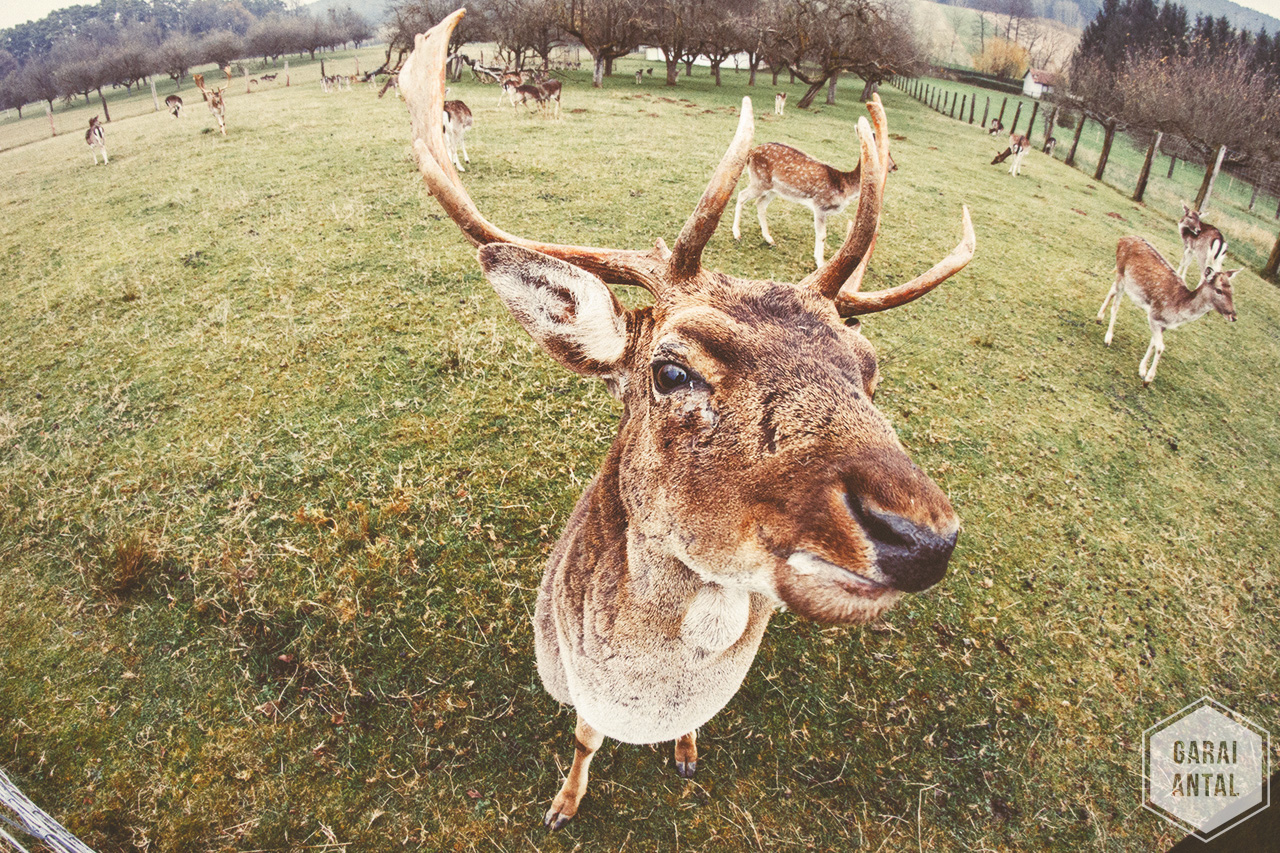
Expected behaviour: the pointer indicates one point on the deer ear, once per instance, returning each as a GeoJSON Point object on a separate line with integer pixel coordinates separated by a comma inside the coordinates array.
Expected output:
{"type": "Point", "coordinates": [571, 313]}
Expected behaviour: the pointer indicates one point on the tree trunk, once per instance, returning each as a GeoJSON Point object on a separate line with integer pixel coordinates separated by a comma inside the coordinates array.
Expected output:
{"type": "Point", "coordinates": [1210, 175]}
{"type": "Point", "coordinates": [608, 66]}
{"type": "Point", "coordinates": [751, 78]}
{"type": "Point", "coordinates": [1071, 157]}
{"type": "Point", "coordinates": [1173, 161]}
{"type": "Point", "coordinates": [673, 71]}
{"type": "Point", "coordinates": [870, 89]}
{"type": "Point", "coordinates": [1106, 149]}
{"type": "Point", "coordinates": [48, 110]}
{"type": "Point", "coordinates": [1253, 198]}
{"type": "Point", "coordinates": [688, 68]}
{"type": "Point", "coordinates": [715, 70]}
{"type": "Point", "coordinates": [831, 89]}
{"type": "Point", "coordinates": [1273, 262]}
{"type": "Point", "coordinates": [155, 99]}
{"type": "Point", "coordinates": [597, 74]}
{"type": "Point", "coordinates": [776, 72]}
{"type": "Point", "coordinates": [101, 97]}
{"type": "Point", "coordinates": [1146, 168]}
{"type": "Point", "coordinates": [810, 94]}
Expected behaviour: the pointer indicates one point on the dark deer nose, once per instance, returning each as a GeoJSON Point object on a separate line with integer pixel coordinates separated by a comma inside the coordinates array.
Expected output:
{"type": "Point", "coordinates": [913, 558]}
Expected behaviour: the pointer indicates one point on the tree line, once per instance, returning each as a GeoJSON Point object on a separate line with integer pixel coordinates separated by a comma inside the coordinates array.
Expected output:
{"type": "Point", "coordinates": [814, 40]}
{"type": "Point", "coordinates": [1152, 70]}
{"type": "Point", "coordinates": [83, 49]}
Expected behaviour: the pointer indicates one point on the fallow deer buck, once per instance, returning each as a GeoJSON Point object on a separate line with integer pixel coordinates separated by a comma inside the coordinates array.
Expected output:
{"type": "Point", "coordinates": [94, 138]}
{"type": "Point", "coordinates": [751, 470]}
{"type": "Point", "coordinates": [775, 169]}
{"type": "Point", "coordinates": [213, 97]}
{"type": "Point", "coordinates": [173, 104]}
{"type": "Point", "coordinates": [1201, 241]}
{"type": "Point", "coordinates": [1155, 287]}
{"type": "Point", "coordinates": [1019, 145]}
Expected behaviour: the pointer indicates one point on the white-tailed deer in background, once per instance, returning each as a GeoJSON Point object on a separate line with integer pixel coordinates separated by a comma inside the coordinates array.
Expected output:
{"type": "Point", "coordinates": [173, 104]}
{"type": "Point", "coordinates": [1201, 241]}
{"type": "Point", "coordinates": [457, 121]}
{"type": "Point", "coordinates": [213, 97]}
{"type": "Point", "coordinates": [779, 103]}
{"type": "Point", "coordinates": [1152, 284]}
{"type": "Point", "coordinates": [751, 470]}
{"type": "Point", "coordinates": [775, 169]}
{"type": "Point", "coordinates": [94, 138]}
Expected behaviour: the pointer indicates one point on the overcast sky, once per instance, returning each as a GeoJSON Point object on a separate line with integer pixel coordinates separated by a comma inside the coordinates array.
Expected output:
{"type": "Point", "coordinates": [19, 11]}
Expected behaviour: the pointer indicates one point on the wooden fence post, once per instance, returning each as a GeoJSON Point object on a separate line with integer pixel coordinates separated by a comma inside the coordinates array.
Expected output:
{"type": "Point", "coordinates": [1110, 128]}
{"type": "Point", "coordinates": [972, 103]}
{"type": "Point", "coordinates": [155, 99]}
{"type": "Point", "coordinates": [1146, 167]}
{"type": "Point", "coordinates": [1173, 161]}
{"type": "Point", "coordinates": [1273, 262]}
{"type": "Point", "coordinates": [49, 113]}
{"type": "Point", "coordinates": [1003, 104]}
{"type": "Point", "coordinates": [1031, 122]}
{"type": "Point", "coordinates": [953, 106]}
{"type": "Point", "coordinates": [286, 73]}
{"type": "Point", "coordinates": [1202, 200]}
{"type": "Point", "coordinates": [1071, 157]}
{"type": "Point", "coordinates": [1017, 114]}
{"type": "Point", "coordinates": [986, 110]}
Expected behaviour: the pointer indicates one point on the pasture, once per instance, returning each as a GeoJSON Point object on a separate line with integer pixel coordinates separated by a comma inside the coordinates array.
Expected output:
{"type": "Point", "coordinates": [278, 475]}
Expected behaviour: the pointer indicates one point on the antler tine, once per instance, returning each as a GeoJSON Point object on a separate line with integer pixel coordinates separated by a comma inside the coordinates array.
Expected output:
{"type": "Point", "coordinates": [422, 79]}
{"type": "Point", "coordinates": [828, 278]}
{"type": "Point", "coordinates": [881, 125]}
{"type": "Point", "coordinates": [853, 304]}
{"type": "Point", "coordinates": [687, 255]}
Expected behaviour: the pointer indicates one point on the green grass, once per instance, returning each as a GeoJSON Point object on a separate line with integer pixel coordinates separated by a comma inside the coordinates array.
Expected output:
{"type": "Point", "coordinates": [278, 475]}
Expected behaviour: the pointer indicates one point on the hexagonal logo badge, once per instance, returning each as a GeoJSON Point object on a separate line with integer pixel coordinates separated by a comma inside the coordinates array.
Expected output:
{"type": "Point", "coordinates": [1205, 768]}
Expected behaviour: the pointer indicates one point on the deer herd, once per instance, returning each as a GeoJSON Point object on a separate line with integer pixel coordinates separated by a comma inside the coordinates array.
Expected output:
{"type": "Point", "coordinates": [655, 599]}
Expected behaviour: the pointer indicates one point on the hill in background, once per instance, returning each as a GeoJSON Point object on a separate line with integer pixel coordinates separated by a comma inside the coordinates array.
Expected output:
{"type": "Point", "coordinates": [374, 11]}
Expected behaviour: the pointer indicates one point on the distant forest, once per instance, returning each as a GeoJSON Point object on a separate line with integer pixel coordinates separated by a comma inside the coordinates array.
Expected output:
{"type": "Point", "coordinates": [1077, 13]}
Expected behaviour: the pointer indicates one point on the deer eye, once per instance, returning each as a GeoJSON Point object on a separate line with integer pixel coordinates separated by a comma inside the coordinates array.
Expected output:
{"type": "Point", "coordinates": [669, 376]}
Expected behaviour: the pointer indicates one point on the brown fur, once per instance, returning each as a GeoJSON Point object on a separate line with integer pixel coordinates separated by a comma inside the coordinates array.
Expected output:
{"type": "Point", "coordinates": [1154, 286]}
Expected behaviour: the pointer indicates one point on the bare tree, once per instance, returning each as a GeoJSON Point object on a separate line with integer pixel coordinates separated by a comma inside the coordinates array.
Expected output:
{"type": "Point", "coordinates": [608, 29]}
{"type": "Point", "coordinates": [673, 27]}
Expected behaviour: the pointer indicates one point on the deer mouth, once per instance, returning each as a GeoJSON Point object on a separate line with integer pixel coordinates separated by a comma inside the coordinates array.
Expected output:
{"type": "Point", "coordinates": [864, 585]}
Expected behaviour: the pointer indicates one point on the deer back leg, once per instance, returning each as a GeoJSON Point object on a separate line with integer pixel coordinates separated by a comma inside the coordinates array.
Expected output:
{"type": "Point", "coordinates": [762, 206]}
{"type": "Point", "coordinates": [1155, 351]}
{"type": "Point", "coordinates": [819, 236]}
{"type": "Point", "coordinates": [1186, 262]}
{"type": "Point", "coordinates": [586, 741]}
{"type": "Point", "coordinates": [750, 192]}
{"type": "Point", "coordinates": [1115, 296]}
{"type": "Point", "coordinates": [687, 755]}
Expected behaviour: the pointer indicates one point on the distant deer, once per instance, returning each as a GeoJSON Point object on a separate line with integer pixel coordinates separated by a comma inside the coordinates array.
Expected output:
{"type": "Point", "coordinates": [1152, 284]}
{"type": "Point", "coordinates": [1201, 241]}
{"type": "Point", "coordinates": [780, 170]}
{"type": "Point", "coordinates": [551, 93]}
{"type": "Point", "coordinates": [173, 104]}
{"type": "Point", "coordinates": [457, 121]}
{"type": "Point", "coordinates": [995, 127]}
{"type": "Point", "coordinates": [94, 138]}
{"type": "Point", "coordinates": [779, 103]}
{"type": "Point", "coordinates": [1049, 144]}
{"type": "Point", "coordinates": [639, 75]}
{"type": "Point", "coordinates": [213, 97]}
{"type": "Point", "coordinates": [751, 469]}
{"type": "Point", "coordinates": [1019, 145]}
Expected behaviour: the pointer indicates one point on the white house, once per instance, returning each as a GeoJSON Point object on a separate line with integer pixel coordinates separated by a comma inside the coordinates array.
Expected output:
{"type": "Point", "coordinates": [1037, 83]}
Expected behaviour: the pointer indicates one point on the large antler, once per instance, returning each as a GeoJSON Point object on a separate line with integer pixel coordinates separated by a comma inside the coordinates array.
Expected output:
{"type": "Point", "coordinates": [422, 81]}
{"type": "Point", "coordinates": [841, 277]}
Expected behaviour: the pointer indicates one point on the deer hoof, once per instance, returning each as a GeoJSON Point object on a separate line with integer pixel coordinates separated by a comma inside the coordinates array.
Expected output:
{"type": "Point", "coordinates": [555, 820]}
{"type": "Point", "coordinates": [686, 769]}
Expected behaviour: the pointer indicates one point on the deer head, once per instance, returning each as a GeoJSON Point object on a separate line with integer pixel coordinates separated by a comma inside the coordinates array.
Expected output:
{"type": "Point", "coordinates": [750, 450]}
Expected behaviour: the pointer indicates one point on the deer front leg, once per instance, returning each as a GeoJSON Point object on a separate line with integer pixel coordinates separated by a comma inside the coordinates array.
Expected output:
{"type": "Point", "coordinates": [687, 755]}
{"type": "Point", "coordinates": [565, 805]}
{"type": "Point", "coordinates": [743, 197]}
{"type": "Point", "coordinates": [762, 206]}
{"type": "Point", "coordinates": [1186, 262]}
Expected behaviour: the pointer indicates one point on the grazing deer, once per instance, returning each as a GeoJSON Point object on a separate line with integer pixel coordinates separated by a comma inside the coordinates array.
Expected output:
{"type": "Point", "coordinates": [457, 121]}
{"type": "Point", "coordinates": [173, 104]}
{"type": "Point", "coordinates": [639, 75]}
{"type": "Point", "coordinates": [1049, 144]}
{"type": "Point", "coordinates": [996, 127]}
{"type": "Point", "coordinates": [780, 170]}
{"type": "Point", "coordinates": [525, 94]}
{"type": "Point", "coordinates": [1201, 241]}
{"type": "Point", "coordinates": [93, 137]}
{"type": "Point", "coordinates": [751, 469]}
{"type": "Point", "coordinates": [779, 103]}
{"type": "Point", "coordinates": [269, 78]}
{"type": "Point", "coordinates": [393, 82]}
{"type": "Point", "coordinates": [213, 97]}
{"type": "Point", "coordinates": [1154, 286]}
{"type": "Point", "coordinates": [1019, 145]}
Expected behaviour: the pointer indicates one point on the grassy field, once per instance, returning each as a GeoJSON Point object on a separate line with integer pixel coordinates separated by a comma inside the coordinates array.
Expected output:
{"type": "Point", "coordinates": [1250, 233]}
{"type": "Point", "coordinates": [278, 475]}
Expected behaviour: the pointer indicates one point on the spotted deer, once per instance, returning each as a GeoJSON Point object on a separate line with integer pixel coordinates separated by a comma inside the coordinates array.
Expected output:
{"type": "Point", "coordinates": [779, 103]}
{"type": "Point", "coordinates": [94, 138]}
{"type": "Point", "coordinates": [173, 104]}
{"type": "Point", "coordinates": [751, 470]}
{"type": "Point", "coordinates": [1154, 286]}
{"type": "Point", "coordinates": [777, 170]}
{"type": "Point", "coordinates": [1201, 241]}
{"type": "Point", "coordinates": [1019, 145]}
{"type": "Point", "coordinates": [457, 121]}
{"type": "Point", "coordinates": [214, 98]}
